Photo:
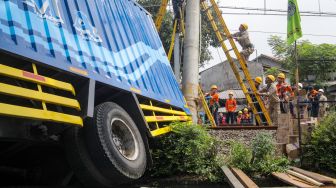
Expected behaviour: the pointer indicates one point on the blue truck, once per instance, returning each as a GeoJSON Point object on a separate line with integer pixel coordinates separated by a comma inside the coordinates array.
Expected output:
{"type": "Point", "coordinates": [89, 78]}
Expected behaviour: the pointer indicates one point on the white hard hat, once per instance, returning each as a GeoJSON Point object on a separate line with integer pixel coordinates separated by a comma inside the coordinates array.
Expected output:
{"type": "Point", "coordinates": [300, 85]}
{"type": "Point", "coordinates": [321, 90]}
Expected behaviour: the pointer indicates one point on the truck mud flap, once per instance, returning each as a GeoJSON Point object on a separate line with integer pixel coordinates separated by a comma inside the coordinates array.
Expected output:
{"type": "Point", "coordinates": [42, 114]}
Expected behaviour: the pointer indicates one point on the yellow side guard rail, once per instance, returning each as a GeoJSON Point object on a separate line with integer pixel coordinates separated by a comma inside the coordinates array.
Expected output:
{"type": "Point", "coordinates": [35, 78]}
{"type": "Point", "coordinates": [37, 95]}
{"type": "Point", "coordinates": [170, 116]}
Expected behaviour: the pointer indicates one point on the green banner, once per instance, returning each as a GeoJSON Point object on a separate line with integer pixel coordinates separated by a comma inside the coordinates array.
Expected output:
{"type": "Point", "coordinates": [294, 31]}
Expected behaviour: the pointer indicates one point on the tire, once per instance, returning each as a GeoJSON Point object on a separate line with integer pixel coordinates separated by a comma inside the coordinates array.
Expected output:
{"type": "Point", "coordinates": [115, 144]}
{"type": "Point", "coordinates": [80, 160]}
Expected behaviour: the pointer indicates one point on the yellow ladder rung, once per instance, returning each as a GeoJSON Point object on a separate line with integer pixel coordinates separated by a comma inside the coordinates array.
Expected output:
{"type": "Point", "coordinates": [45, 115]}
{"type": "Point", "coordinates": [232, 63]}
{"type": "Point", "coordinates": [206, 108]}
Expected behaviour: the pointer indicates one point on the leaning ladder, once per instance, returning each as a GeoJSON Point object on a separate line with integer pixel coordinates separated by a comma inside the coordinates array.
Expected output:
{"type": "Point", "coordinates": [241, 61]}
{"type": "Point", "coordinates": [160, 15]}
{"type": "Point", "coordinates": [206, 107]}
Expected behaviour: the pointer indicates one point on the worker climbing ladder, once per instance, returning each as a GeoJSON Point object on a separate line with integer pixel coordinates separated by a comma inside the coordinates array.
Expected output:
{"type": "Point", "coordinates": [225, 35]}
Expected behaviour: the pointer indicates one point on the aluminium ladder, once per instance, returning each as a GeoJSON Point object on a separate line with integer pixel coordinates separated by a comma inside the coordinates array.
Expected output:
{"type": "Point", "coordinates": [241, 61]}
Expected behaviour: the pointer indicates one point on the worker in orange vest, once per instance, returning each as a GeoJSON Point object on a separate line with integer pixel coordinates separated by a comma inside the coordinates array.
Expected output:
{"type": "Point", "coordinates": [230, 105]}
{"type": "Point", "coordinates": [284, 91]}
{"type": "Point", "coordinates": [214, 102]}
{"type": "Point", "coordinates": [246, 118]}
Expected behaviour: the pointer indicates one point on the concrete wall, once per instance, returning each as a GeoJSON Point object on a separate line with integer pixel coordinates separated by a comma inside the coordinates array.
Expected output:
{"type": "Point", "coordinates": [223, 76]}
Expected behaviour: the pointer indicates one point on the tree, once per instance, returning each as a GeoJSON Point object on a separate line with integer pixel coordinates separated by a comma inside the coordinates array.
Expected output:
{"type": "Point", "coordinates": [272, 71]}
{"type": "Point", "coordinates": [312, 58]}
{"type": "Point", "coordinates": [208, 37]}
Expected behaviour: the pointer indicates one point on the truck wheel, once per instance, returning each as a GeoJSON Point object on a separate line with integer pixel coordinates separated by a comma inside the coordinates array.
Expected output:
{"type": "Point", "coordinates": [115, 144]}
{"type": "Point", "coordinates": [80, 160]}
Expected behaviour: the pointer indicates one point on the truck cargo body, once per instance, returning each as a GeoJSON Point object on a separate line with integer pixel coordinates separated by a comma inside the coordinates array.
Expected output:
{"type": "Point", "coordinates": [91, 77]}
{"type": "Point", "coordinates": [114, 42]}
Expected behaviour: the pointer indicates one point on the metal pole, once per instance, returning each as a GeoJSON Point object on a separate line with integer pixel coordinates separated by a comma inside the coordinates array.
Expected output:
{"type": "Point", "coordinates": [191, 56]}
{"type": "Point", "coordinates": [298, 104]}
{"type": "Point", "coordinates": [177, 58]}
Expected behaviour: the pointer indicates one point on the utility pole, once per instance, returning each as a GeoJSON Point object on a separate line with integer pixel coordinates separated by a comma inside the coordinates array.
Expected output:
{"type": "Point", "coordinates": [191, 56]}
{"type": "Point", "coordinates": [177, 58]}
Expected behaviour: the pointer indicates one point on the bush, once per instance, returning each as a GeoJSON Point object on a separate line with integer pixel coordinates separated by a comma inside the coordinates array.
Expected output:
{"type": "Point", "coordinates": [259, 159]}
{"type": "Point", "coordinates": [262, 147]}
{"type": "Point", "coordinates": [239, 156]}
{"type": "Point", "coordinates": [322, 149]}
{"type": "Point", "coordinates": [188, 150]}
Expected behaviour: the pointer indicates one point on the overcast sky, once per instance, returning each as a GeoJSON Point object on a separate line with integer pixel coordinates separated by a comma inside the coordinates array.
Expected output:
{"type": "Point", "coordinates": [310, 25]}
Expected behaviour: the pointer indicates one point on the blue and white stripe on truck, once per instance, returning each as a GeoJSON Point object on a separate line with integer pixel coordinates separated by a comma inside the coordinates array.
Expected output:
{"type": "Point", "coordinates": [111, 41]}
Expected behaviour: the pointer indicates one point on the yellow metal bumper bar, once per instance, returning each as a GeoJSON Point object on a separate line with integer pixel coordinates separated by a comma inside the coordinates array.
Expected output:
{"type": "Point", "coordinates": [32, 113]}
{"type": "Point", "coordinates": [161, 131]}
{"type": "Point", "coordinates": [40, 96]}
{"type": "Point", "coordinates": [163, 110]}
{"type": "Point", "coordinates": [38, 79]}
{"type": "Point", "coordinates": [150, 119]}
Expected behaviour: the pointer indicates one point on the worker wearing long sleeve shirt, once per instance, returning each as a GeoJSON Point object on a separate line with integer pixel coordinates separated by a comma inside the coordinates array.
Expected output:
{"type": "Point", "coordinates": [242, 37]}
{"type": "Point", "coordinates": [231, 106]}
{"type": "Point", "coordinates": [270, 91]}
{"type": "Point", "coordinates": [284, 91]}
{"type": "Point", "coordinates": [214, 103]}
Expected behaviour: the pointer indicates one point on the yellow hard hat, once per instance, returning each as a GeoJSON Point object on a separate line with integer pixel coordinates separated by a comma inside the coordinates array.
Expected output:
{"type": "Point", "coordinates": [245, 26]}
{"type": "Point", "coordinates": [245, 110]}
{"type": "Point", "coordinates": [258, 80]}
{"type": "Point", "coordinates": [281, 75]}
{"type": "Point", "coordinates": [240, 112]}
{"type": "Point", "coordinates": [213, 87]}
{"type": "Point", "coordinates": [271, 77]}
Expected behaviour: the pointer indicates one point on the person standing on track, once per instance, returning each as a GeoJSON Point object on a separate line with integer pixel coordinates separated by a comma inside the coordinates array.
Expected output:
{"type": "Point", "coordinates": [214, 102]}
{"type": "Point", "coordinates": [230, 105]}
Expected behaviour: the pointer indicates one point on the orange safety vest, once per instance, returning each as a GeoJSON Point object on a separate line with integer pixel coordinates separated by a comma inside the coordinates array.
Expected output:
{"type": "Point", "coordinates": [231, 105]}
{"type": "Point", "coordinates": [282, 89]}
{"type": "Point", "coordinates": [214, 98]}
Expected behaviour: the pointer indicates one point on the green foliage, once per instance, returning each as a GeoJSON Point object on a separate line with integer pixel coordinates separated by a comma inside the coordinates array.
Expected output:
{"type": "Point", "coordinates": [322, 148]}
{"type": "Point", "coordinates": [189, 149]}
{"type": "Point", "coordinates": [262, 147]}
{"type": "Point", "coordinates": [272, 164]}
{"type": "Point", "coordinates": [273, 71]}
{"type": "Point", "coordinates": [240, 156]}
{"type": "Point", "coordinates": [260, 158]}
{"type": "Point", "coordinates": [208, 37]}
{"type": "Point", "coordinates": [306, 51]}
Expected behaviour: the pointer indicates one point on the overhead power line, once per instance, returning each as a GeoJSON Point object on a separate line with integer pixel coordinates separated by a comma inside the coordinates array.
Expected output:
{"type": "Point", "coordinates": [274, 14]}
{"type": "Point", "coordinates": [278, 10]}
{"type": "Point", "coordinates": [283, 33]}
